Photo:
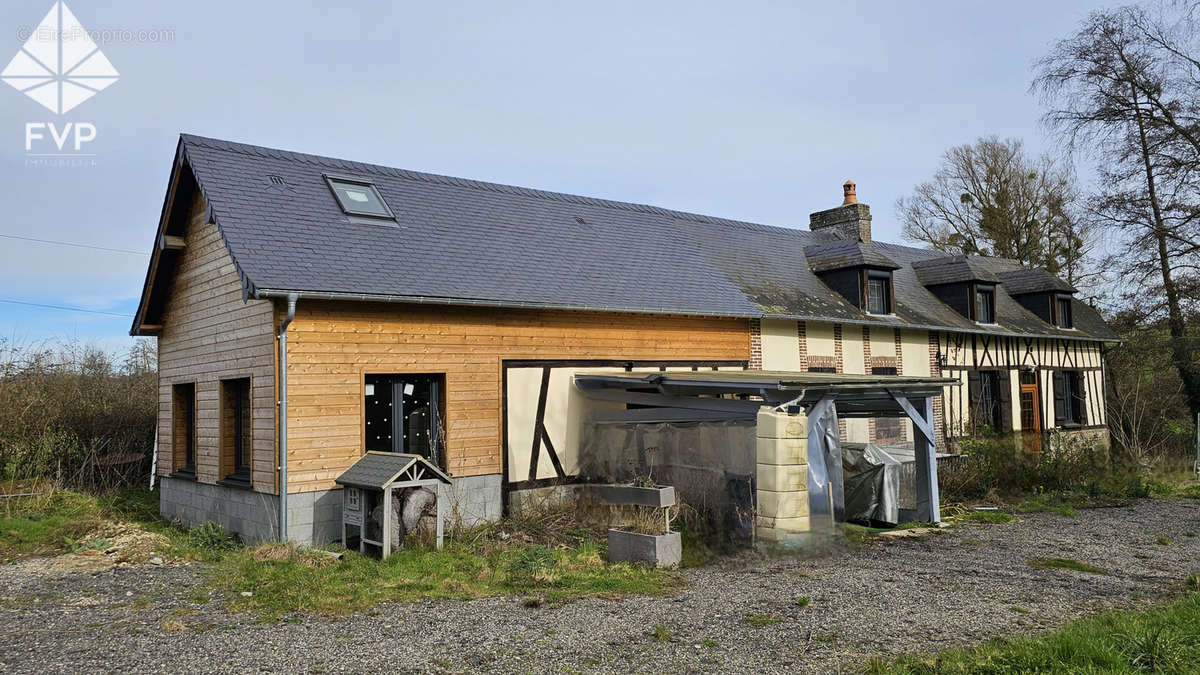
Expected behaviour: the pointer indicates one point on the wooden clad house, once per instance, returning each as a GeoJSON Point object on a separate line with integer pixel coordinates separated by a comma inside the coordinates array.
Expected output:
{"type": "Point", "coordinates": [310, 309]}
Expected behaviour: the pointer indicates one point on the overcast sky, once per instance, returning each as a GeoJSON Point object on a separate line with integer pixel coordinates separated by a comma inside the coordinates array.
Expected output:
{"type": "Point", "coordinates": [755, 111]}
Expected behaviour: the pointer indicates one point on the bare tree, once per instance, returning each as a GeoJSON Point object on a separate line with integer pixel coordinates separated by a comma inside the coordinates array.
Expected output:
{"type": "Point", "coordinates": [1125, 89]}
{"type": "Point", "coordinates": [992, 198]}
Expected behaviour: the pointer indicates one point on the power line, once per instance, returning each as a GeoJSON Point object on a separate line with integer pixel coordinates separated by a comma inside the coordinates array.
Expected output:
{"type": "Point", "coordinates": [67, 309]}
{"type": "Point", "coordinates": [70, 243]}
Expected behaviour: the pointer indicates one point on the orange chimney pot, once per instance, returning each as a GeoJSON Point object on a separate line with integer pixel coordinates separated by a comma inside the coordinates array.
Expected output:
{"type": "Point", "coordinates": [851, 197]}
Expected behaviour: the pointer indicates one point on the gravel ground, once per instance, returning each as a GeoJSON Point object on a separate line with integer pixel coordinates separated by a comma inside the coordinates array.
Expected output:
{"type": "Point", "coordinates": [954, 587]}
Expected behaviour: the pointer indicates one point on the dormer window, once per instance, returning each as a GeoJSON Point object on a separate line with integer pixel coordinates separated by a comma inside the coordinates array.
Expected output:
{"type": "Point", "coordinates": [985, 304]}
{"type": "Point", "coordinates": [879, 292]}
{"type": "Point", "coordinates": [359, 197]}
{"type": "Point", "coordinates": [858, 272]}
{"type": "Point", "coordinates": [1062, 312]}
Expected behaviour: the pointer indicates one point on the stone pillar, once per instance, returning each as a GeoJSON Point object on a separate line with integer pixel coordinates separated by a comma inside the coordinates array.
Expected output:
{"type": "Point", "coordinates": [782, 475]}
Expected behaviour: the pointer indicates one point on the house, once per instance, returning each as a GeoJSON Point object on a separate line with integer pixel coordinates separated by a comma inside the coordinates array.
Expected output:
{"type": "Point", "coordinates": [310, 309]}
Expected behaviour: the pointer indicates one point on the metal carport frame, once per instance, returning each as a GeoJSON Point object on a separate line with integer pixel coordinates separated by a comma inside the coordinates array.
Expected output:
{"type": "Point", "coordinates": [691, 395]}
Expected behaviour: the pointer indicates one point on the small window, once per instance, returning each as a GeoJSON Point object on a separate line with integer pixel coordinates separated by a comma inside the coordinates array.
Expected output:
{"type": "Point", "coordinates": [985, 304]}
{"type": "Point", "coordinates": [885, 370]}
{"type": "Point", "coordinates": [236, 446]}
{"type": "Point", "coordinates": [359, 198]}
{"type": "Point", "coordinates": [879, 293]}
{"type": "Point", "coordinates": [889, 429]}
{"type": "Point", "coordinates": [822, 369]}
{"type": "Point", "coordinates": [183, 438]}
{"type": "Point", "coordinates": [1062, 316]}
{"type": "Point", "coordinates": [987, 410]}
{"type": "Point", "coordinates": [1069, 403]}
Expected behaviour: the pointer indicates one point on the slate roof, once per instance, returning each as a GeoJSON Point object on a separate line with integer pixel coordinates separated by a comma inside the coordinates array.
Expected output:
{"type": "Point", "coordinates": [458, 241]}
{"type": "Point", "coordinates": [954, 269]}
{"type": "Point", "coordinates": [377, 470]}
{"type": "Point", "coordinates": [1020, 282]}
{"type": "Point", "coordinates": [843, 254]}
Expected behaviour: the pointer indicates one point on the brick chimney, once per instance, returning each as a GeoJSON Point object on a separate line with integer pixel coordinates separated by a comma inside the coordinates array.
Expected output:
{"type": "Point", "coordinates": [850, 221]}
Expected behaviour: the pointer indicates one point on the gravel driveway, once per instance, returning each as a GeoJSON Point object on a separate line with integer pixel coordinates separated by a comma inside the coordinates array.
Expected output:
{"type": "Point", "coordinates": [912, 594]}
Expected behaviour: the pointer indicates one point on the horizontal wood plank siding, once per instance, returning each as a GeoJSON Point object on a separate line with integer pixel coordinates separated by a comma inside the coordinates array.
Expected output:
{"type": "Point", "coordinates": [210, 334]}
{"type": "Point", "coordinates": [331, 346]}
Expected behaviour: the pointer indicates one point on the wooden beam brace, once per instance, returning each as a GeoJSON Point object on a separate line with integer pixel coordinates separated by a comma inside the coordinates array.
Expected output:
{"type": "Point", "coordinates": [919, 422]}
{"type": "Point", "coordinates": [658, 400]}
{"type": "Point", "coordinates": [169, 242]}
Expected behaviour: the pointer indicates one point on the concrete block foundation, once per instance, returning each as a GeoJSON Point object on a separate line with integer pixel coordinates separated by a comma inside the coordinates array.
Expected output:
{"type": "Point", "coordinates": [314, 518]}
{"type": "Point", "coordinates": [254, 516]}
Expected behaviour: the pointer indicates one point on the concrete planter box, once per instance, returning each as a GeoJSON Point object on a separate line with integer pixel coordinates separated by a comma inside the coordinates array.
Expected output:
{"type": "Point", "coordinates": [660, 550]}
{"type": "Point", "coordinates": [628, 495]}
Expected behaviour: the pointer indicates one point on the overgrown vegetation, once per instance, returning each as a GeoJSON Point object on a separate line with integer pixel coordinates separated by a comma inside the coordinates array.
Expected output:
{"type": "Point", "coordinates": [75, 415]}
{"type": "Point", "coordinates": [1071, 472]}
{"type": "Point", "coordinates": [530, 556]}
{"type": "Point", "coordinates": [1162, 640]}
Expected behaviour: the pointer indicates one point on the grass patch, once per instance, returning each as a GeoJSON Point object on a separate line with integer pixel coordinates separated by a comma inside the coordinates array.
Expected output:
{"type": "Point", "coordinates": [803, 601]}
{"type": "Point", "coordinates": [1058, 503]}
{"type": "Point", "coordinates": [285, 580]}
{"type": "Point", "coordinates": [46, 525]}
{"type": "Point", "coordinates": [661, 633]}
{"type": "Point", "coordinates": [1189, 492]}
{"type": "Point", "coordinates": [1019, 609]}
{"type": "Point", "coordinates": [985, 517]}
{"type": "Point", "coordinates": [710, 643]}
{"type": "Point", "coordinates": [1164, 639]}
{"type": "Point", "coordinates": [760, 620]}
{"type": "Point", "coordinates": [1164, 540]}
{"type": "Point", "coordinates": [1065, 564]}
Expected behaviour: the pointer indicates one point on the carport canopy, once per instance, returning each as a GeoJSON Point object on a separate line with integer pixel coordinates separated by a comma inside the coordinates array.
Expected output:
{"type": "Point", "coordinates": [694, 395]}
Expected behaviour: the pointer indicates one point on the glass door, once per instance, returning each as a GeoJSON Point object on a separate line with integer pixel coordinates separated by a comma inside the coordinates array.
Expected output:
{"type": "Point", "coordinates": [402, 414]}
{"type": "Point", "coordinates": [1031, 419]}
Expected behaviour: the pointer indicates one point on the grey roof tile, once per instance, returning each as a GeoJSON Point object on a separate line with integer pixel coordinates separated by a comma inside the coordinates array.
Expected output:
{"type": "Point", "coordinates": [464, 241]}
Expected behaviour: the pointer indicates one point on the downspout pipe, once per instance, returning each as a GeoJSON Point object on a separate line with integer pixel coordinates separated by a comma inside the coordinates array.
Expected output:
{"type": "Point", "coordinates": [292, 298]}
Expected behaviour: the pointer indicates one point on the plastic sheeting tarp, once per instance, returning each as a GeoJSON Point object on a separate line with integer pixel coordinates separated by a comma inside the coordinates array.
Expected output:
{"type": "Point", "coordinates": [872, 484]}
{"type": "Point", "coordinates": [826, 501]}
{"type": "Point", "coordinates": [712, 465]}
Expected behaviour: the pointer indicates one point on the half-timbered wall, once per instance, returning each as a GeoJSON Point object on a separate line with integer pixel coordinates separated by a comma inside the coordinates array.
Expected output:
{"type": "Point", "coordinates": [963, 353]}
{"type": "Point", "coordinates": [847, 348]}
{"type": "Point", "coordinates": [210, 334]}
{"type": "Point", "coordinates": [332, 346]}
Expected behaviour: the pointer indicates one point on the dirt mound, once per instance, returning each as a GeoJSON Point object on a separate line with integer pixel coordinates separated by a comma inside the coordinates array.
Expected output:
{"type": "Point", "coordinates": [116, 542]}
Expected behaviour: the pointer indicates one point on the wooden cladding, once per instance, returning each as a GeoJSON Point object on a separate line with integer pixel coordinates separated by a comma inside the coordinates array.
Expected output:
{"type": "Point", "coordinates": [332, 346]}
{"type": "Point", "coordinates": [210, 334]}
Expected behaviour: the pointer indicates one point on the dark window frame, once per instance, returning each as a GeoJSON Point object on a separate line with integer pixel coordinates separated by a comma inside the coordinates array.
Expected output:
{"type": "Point", "coordinates": [349, 209]}
{"type": "Point", "coordinates": [1058, 302]}
{"type": "Point", "coordinates": [889, 300]}
{"type": "Point", "coordinates": [398, 416]}
{"type": "Point", "coordinates": [1073, 397]}
{"type": "Point", "coordinates": [183, 395]}
{"type": "Point", "coordinates": [241, 461]}
{"type": "Point", "coordinates": [980, 291]}
{"type": "Point", "coordinates": [989, 399]}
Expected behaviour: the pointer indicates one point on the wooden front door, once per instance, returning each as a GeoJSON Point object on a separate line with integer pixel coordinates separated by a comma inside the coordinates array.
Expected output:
{"type": "Point", "coordinates": [1031, 419]}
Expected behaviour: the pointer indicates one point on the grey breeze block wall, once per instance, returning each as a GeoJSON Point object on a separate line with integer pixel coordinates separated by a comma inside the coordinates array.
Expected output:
{"type": "Point", "coordinates": [252, 515]}
{"type": "Point", "coordinates": [314, 518]}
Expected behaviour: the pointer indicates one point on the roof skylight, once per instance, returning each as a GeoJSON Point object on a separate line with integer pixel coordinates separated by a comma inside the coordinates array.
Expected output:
{"type": "Point", "coordinates": [359, 197]}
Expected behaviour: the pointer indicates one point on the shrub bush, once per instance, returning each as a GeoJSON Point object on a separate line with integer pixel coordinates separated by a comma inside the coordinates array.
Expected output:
{"type": "Point", "coordinates": [993, 465]}
{"type": "Point", "coordinates": [76, 415]}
